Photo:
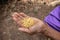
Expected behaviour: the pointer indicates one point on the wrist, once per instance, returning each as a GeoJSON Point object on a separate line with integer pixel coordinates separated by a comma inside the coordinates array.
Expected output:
{"type": "Point", "coordinates": [44, 27]}
{"type": "Point", "coordinates": [48, 31]}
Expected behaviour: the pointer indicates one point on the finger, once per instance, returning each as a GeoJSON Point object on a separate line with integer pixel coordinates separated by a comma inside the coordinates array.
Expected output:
{"type": "Point", "coordinates": [24, 15]}
{"type": "Point", "coordinates": [17, 19]}
{"type": "Point", "coordinates": [14, 13]}
{"type": "Point", "coordinates": [21, 17]}
{"type": "Point", "coordinates": [17, 16]}
{"type": "Point", "coordinates": [24, 30]}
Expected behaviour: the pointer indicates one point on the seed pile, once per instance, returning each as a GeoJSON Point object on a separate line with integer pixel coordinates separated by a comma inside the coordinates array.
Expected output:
{"type": "Point", "coordinates": [27, 22]}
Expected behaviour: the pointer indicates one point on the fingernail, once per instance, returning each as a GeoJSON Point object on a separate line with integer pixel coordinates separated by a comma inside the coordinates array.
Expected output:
{"type": "Point", "coordinates": [19, 28]}
{"type": "Point", "coordinates": [14, 13]}
{"type": "Point", "coordinates": [21, 13]}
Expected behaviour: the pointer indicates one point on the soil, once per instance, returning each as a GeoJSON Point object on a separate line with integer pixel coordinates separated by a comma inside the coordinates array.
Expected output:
{"type": "Point", "coordinates": [9, 28]}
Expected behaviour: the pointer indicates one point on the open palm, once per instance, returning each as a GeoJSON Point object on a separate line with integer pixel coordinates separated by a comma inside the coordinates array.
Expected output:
{"type": "Point", "coordinates": [17, 17]}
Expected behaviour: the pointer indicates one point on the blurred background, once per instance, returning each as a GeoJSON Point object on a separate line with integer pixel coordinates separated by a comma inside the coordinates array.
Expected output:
{"type": "Point", "coordinates": [35, 8]}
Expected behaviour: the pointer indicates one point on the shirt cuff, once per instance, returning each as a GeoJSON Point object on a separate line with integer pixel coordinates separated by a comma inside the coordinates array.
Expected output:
{"type": "Point", "coordinates": [52, 22]}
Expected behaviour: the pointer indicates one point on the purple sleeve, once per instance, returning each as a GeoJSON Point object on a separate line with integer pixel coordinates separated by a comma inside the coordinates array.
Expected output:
{"type": "Point", "coordinates": [53, 19]}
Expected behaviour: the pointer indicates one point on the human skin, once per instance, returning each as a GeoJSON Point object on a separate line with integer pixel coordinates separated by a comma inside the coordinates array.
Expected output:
{"type": "Point", "coordinates": [40, 26]}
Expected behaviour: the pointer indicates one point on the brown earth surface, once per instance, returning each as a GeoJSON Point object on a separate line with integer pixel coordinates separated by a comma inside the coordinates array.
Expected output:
{"type": "Point", "coordinates": [9, 28]}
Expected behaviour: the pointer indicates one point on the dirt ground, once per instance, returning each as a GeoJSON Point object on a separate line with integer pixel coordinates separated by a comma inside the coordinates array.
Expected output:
{"type": "Point", "coordinates": [9, 28]}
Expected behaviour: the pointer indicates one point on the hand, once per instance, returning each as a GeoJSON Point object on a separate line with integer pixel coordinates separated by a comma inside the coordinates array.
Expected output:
{"type": "Point", "coordinates": [17, 17]}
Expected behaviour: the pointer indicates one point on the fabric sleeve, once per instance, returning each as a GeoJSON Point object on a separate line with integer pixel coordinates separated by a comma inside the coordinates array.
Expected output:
{"type": "Point", "coordinates": [53, 19]}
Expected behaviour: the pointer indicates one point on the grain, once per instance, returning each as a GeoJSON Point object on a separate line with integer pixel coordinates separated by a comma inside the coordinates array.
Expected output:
{"type": "Point", "coordinates": [27, 22]}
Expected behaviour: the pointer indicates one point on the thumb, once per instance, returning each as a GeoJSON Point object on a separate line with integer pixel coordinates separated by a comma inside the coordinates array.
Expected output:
{"type": "Point", "coordinates": [24, 30]}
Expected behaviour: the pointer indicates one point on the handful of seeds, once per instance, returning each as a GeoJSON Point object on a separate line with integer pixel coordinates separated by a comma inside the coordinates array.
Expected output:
{"type": "Point", "coordinates": [27, 22]}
